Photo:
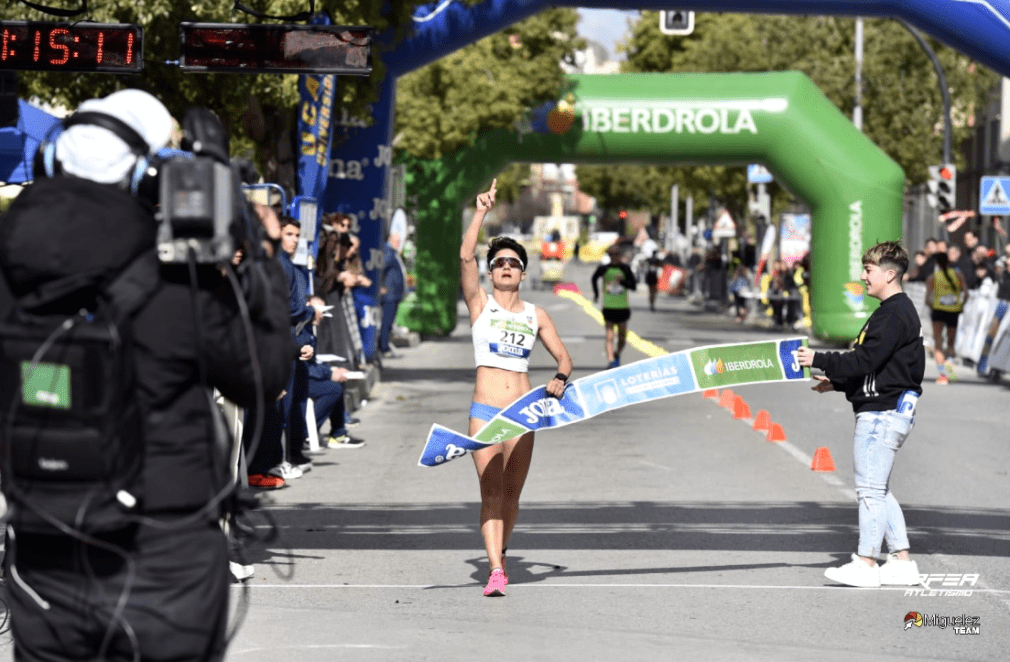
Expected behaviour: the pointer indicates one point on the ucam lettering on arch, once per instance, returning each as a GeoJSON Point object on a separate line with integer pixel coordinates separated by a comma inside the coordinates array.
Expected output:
{"type": "Point", "coordinates": [855, 240]}
{"type": "Point", "coordinates": [658, 117]}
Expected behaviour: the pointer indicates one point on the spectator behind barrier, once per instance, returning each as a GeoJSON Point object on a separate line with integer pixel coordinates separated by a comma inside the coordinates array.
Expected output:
{"type": "Point", "coordinates": [1003, 275]}
{"type": "Point", "coordinates": [982, 265]}
{"type": "Point", "coordinates": [303, 317]}
{"type": "Point", "coordinates": [738, 285]}
{"type": "Point", "coordinates": [394, 277]}
{"type": "Point", "coordinates": [268, 467]}
{"type": "Point", "coordinates": [335, 333]}
{"type": "Point", "coordinates": [932, 248]}
{"type": "Point", "coordinates": [961, 261]}
{"type": "Point", "coordinates": [918, 273]}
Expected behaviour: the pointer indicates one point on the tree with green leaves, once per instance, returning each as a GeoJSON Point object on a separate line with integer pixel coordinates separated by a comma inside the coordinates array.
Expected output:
{"type": "Point", "coordinates": [442, 107]}
{"type": "Point", "coordinates": [901, 98]}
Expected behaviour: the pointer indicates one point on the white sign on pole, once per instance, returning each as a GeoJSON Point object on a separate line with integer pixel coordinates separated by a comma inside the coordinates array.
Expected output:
{"type": "Point", "coordinates": [758, 174]}
{"type": "Point", "coordinates": [677, 23]}
{"type": "Point", "coordinates": [993, 199]}
{"type": "Point", "coordinates": [724, 228]}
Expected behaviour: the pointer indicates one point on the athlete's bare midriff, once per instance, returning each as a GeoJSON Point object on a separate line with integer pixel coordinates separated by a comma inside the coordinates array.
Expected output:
{"type": "Point", "coordinates": [498, 387]}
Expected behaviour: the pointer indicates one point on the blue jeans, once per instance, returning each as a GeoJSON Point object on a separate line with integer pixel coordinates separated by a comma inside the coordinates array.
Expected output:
{"type": "Point", "coordinates": [878, 436]}
{"type": "Point", "coordinates": [328, 398]}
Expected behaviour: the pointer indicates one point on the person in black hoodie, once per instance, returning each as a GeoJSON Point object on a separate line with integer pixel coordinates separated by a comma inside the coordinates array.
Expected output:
{"type": "Point", "coordinates": [61, 242]}
{"type": "Point", "coordinates": [882, 378]}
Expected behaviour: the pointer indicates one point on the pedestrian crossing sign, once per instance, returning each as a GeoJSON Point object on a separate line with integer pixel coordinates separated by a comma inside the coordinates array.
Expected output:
{"type": "Point", "coordinates": [993, 198]}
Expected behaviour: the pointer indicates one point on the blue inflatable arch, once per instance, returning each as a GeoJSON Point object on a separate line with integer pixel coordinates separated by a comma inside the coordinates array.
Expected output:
{"type": "Point", "coordinates": [358, 166]}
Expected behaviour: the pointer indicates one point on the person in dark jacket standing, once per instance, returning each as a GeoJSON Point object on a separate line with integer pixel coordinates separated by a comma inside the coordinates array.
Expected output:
{"type": "Point", "coordinates": [61, 242]}
{"type": "Point", "coordinates": [882, 378]}
{"type": "Point", "coordinates": [393, 286]}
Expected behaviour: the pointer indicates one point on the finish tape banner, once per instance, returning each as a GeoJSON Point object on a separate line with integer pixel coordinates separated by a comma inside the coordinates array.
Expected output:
{"type": "Point", "coordinates": [689, 371]}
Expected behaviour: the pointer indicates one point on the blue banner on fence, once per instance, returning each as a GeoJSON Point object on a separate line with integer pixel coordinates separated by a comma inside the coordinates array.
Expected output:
{"type": "Point", "coordinates": [315, 123]}
{"type": "Point", "coordinates": [368, 313]}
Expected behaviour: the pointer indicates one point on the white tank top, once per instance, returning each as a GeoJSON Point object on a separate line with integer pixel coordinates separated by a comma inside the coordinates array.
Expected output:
{"type": "Point", "coordinates": [503, 339]}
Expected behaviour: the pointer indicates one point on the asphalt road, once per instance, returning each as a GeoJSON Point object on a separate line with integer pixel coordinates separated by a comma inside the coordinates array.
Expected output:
{"type": "Point", "coordinates": [663, 531]}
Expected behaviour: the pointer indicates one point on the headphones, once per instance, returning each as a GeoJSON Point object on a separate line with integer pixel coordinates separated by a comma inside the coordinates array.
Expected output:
{"type": "Point", "coordinates": [142, 181]}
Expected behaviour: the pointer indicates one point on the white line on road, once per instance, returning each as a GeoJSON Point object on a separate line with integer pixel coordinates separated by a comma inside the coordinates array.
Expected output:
{"type": "Point", "coordinates": [289, 647]}
{"type": "Point", "coordinates": [606, 586]}
{"type": "Point", "coordinates": [807, 461]}
{"type": "Point", "coordinates": [653, 464]}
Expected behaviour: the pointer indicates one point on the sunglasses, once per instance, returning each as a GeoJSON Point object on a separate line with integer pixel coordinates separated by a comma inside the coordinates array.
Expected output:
{"type": "Point", "coordinates": [501, 261]}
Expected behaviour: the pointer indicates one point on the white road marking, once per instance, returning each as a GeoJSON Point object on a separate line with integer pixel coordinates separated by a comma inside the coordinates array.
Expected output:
{"type": "Point", "coordinates": [805, 460]}
{"type": "Point", "coordinates": [289, 647]}
{"type": "Point", "coordinates": [768, 587]}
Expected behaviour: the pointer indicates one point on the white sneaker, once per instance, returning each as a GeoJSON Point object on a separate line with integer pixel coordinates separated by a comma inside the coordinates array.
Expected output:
{"type": "Point", "coordinates": [286, 470]}
{"type": "Point", "coordinates": [899, 573]}
{"type": "Point", "coordinates": [344, 441]}
{"type": "Point", "coordinates": [241, 572]}
{"type": "Point", "coordinates": [855, 573]}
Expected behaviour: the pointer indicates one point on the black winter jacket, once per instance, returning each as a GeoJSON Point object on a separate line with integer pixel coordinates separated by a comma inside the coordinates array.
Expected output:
{"type": "Point", "coordinates": [73, 231]}
{"type": "Point", "coordinates": [887, 359]}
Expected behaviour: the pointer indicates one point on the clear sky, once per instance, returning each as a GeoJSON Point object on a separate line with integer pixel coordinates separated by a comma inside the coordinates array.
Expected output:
{"type": "Point", "coordinates": [606, 26]}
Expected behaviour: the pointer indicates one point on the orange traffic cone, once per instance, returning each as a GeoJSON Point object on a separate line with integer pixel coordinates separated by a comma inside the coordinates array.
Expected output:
{"type": "Point", "coordinates": [822, 460]}
{"type": "Point", "coordinates": [775, 432]}
{"type": "Point", "coordinates": [726, 398]}
{"type": "Point", "coordinates": [710, 393]}
{"type": "Point", "coordinates": [762, 420]}
{"type": "Point", "coordinates": [740, 408]}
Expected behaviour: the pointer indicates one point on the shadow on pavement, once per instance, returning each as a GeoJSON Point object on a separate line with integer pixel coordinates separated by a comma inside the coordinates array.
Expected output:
{"type": "Point", "coordinates": [717, 526]}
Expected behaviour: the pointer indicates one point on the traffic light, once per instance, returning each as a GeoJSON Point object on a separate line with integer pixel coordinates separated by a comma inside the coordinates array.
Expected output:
{"type": "Point", "coordinates": [676, 22]}
{"type": "Point", "coordinates": [622, 214]}
{"type": "Point", "coordinates": [942, 187]}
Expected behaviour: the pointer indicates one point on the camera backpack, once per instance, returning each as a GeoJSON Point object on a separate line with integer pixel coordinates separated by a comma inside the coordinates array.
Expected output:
{"type": "Point", "coordinates": [71, 427]}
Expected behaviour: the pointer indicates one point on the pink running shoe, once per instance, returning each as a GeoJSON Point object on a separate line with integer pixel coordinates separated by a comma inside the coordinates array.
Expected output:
{"type": "Point", "coordinates": [495, 584]}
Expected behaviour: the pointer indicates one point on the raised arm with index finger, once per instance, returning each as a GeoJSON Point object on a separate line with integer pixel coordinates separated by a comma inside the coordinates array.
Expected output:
{"type": "Point", "coordinates": [469, 274]}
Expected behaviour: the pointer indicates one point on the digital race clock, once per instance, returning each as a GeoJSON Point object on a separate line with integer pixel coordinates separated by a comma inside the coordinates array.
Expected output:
{"type": "Point", "coordinates": [42, 46]}
{"type": "Point", "coordinates": [285, 49]}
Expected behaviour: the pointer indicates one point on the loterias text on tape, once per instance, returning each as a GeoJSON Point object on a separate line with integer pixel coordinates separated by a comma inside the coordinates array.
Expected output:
{"type": "Point", "coordinates": [688, 371]}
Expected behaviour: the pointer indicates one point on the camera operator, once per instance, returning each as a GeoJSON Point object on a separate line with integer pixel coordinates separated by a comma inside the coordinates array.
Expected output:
{"type": "Point", "coordinates": [62, 241]}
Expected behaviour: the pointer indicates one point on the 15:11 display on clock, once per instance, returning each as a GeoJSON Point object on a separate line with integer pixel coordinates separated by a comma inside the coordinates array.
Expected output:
{"type": "Point", "coordinates": [43, 46]}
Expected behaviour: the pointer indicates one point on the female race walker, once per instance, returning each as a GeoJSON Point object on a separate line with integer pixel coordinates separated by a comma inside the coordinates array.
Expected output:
{"type": "Point", "coordinates": [504, 330]}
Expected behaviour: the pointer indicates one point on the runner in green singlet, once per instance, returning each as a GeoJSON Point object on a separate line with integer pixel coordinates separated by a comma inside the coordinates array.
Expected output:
{"type": "Point", "coordinates": [617, 281]}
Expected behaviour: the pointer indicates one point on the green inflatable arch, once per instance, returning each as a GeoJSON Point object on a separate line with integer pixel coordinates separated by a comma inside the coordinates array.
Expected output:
{"type": "Point", "coordinates": [779, 119]}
